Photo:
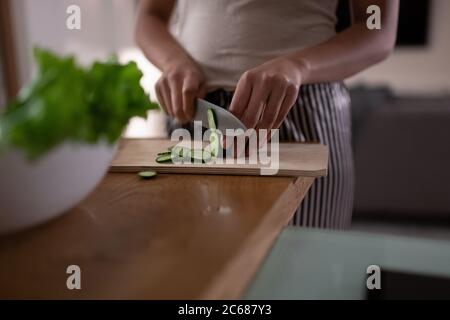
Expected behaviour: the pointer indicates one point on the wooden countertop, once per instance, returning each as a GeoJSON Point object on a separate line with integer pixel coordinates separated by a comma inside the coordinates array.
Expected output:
{"type": "Point", "coordinates": [174, 237]}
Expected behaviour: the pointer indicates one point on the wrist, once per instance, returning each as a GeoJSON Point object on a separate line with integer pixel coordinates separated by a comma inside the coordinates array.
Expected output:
{"type": "Point", "coordinates": [302, 66]}
{"type": "Point", "coordinates": [178, 62]}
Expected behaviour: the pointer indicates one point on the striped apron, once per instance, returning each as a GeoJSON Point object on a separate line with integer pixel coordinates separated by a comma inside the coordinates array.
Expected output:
{"type": "Point", "coordinates": [321, 114]}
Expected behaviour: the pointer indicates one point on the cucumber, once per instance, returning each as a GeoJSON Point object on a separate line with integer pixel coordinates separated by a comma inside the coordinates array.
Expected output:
{"type": "Point", "coordinates": [207, 156]}
{"type": "Point", "coordinates": [214, 144]}
{"type": "Point", "coordinates": [181, 152]}
{"type": "Point", "coordinates": [168, 151]}
{"type": "Point", "coordinates": [196, 155]}
{"type": "Point", "coordinates": [214, 137]}
{"type": "Point", "coordinates": [211, 119]}
{"type": "Point", "coordinates": [164, 158]}
{"type": "Point", "coordinates": [200, 155]}
{"type": "Point", "coordinates": [147, 174]}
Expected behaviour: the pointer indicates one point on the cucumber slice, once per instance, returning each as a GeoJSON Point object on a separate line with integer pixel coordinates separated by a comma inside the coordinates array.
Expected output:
{"type": "Point", "coordinates": [214, 144]}
{"type": "Point", "coordinates": [200, 155]}
{"type": "Point", "coordinates": [196, 155]}
{"type": "Point", "coordinates": [207, 156]}
{"type": "Point", "coordinates": [168, 151]}
{"type": "Point", "coordinates": [211, 119]}
{"type": "Point", "coordinates": [181, 152]}
{"type": "Point", "coordinates": [185, 152]}
{"type": "Point", "coordinates": [214, 137]}
{"type": "Point", "coordinates": [147, 174]}
{"type": "Point", "coordinates": [176, 151]}
{"type": "Point", "coordinates": [164, 159]}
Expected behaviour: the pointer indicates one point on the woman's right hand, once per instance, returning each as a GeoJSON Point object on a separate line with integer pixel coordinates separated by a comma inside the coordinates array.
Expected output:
{"type": "Point", "coordinates": [180, 84]}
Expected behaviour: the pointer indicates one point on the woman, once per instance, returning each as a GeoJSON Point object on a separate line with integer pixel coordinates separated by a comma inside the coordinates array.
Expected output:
{"type": "Point", "coordinates": [274, 64]}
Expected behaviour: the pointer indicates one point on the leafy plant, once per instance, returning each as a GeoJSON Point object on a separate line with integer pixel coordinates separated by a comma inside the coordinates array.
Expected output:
{"type": "Point", "coordinates": [65, 102]}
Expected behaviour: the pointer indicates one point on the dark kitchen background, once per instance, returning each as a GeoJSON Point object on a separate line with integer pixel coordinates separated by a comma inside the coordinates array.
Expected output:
{"type": "Point", "coordinates": [401, 107]}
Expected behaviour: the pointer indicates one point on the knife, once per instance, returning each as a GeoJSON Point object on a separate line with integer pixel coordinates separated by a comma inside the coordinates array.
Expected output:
{"type": "Point", "coordinates": [224, 119]}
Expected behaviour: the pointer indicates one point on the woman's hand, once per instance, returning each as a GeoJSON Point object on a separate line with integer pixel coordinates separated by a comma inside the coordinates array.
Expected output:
{"type": "Point", "coordinates": [264, 95]}
{"type": "Point", "coordinates": [180, 84]}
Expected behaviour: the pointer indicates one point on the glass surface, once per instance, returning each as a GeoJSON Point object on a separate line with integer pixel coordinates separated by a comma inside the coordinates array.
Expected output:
{"type": "Point", "coordinates": [317, 264]}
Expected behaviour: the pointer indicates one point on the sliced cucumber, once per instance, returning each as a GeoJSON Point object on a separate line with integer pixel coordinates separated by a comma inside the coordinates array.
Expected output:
{"type": "Point", "coordinates": [181, 152]}
{"type": "Point", "coordinates": [185, 152]}
{"type": "Point", "coordinates": [147, 174]}
{"type": "Point", "coordinates": [175, 151]}
{"type": "Point", "coordinates": [207, 156]}
{"type": "Point", "coordinates": [200, 155]}
{"type": "Point", "coordinates": [164, 158]}
{"type": "Point", "coordinates": [196, 155]}
{"type": "Point", "coordinates": [168, 151]}
{"type": "Point", "coordinates": [214, 144]}
{"type": "Point", "coordinates": [214, 137]}
{"type": "Point", "coordinates": [211, 119]}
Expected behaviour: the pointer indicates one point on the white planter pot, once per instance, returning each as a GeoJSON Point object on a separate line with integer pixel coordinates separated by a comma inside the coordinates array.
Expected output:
{"type": "Point", "coordinates": [32, 192]}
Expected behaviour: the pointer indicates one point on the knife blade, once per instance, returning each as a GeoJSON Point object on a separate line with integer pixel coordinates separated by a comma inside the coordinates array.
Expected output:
{"type": "Point", "coordinates": [224, 119]}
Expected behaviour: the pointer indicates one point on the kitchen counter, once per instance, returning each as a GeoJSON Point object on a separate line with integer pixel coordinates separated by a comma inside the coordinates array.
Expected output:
{"type": "Point", "coordinates": [178, 236]}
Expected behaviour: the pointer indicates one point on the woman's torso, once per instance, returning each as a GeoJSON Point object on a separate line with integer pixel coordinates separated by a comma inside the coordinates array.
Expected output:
{"type": "Point", "coordinates": [228, 37]}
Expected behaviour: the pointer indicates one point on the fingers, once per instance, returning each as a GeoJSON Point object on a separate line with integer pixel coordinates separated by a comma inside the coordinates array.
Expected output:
{"type": "Point", "coordinates": [288, 101]}
{"type": "Point", "coordinates": [160, 98]}
{"type": "Point", "coordinates": [189, 93]}
{"type": "Point", "coordinates": [241, 96]}
{"type": "Point", "coordinates": [272, 108]}
{"type": "Point", "coordinates": [259, 95]}
{"type": "Point", "coordinates": [177, 101]}
{"type": "Point", "coordinates": [262, 100]}
{"type": "Point", "coordinates": [176, 94]}
{"type": "Point", "coordinates": [163, 93]}
{"type": "Point", "coordinates": [270, 114]}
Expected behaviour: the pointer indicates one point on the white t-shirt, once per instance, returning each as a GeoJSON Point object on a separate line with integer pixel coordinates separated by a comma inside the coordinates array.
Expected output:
{"type": "Point", "coordinates": [229, 37]}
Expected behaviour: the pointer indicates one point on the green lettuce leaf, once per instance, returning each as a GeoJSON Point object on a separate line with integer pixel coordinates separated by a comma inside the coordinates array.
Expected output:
{"type": "Point", "coordinates": [65, 102]}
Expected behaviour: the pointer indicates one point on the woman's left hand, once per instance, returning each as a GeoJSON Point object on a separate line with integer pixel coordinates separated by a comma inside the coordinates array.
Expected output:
{"type": "Point", "coordinates": [264, 95]}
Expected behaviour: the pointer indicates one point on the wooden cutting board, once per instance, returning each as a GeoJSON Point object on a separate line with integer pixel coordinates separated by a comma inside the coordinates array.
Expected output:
{"type": "Point", "coordinates": [295, 160]}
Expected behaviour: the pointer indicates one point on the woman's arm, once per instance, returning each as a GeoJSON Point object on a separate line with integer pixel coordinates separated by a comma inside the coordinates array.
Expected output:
{"type": "Point", "coordinates": [265, 94]}
{"type": "Point", "coordinates": [354, 49]}
{"type": "Point", "coordinates": [182, 80]}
